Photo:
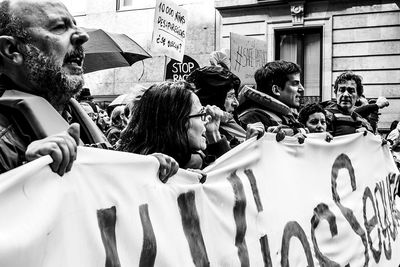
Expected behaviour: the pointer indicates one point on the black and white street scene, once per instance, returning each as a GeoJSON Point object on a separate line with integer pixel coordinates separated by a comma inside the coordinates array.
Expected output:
{"type": "Point", "coordinates": [199, 133]}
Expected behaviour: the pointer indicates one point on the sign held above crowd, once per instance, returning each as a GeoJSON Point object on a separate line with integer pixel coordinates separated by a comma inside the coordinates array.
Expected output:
{"type": "Point", "coordinates": [169, 33]}
{"type": "Point", "coordinates": [178, 71]}
{"type": "Point", "coordinates": [247, 55]}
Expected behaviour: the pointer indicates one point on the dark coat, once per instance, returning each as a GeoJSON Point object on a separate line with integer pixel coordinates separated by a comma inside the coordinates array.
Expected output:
{"type": "Point", "coordinates": [259, 107]}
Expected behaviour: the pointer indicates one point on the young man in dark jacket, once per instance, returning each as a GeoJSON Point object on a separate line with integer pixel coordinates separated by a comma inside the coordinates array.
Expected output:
{"type": "Point", "coordinates": [276, 97]}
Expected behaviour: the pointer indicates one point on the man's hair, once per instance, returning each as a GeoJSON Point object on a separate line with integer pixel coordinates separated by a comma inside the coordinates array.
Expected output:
{"type": "Point", "coordinates": [348, 76]}
{"type": "Point", "coordinates": [11, 25]}
{"type": "Point", "coordinates": [308, 110]}
{"type": "Point", "coordinates": [159, 122]}
{"type": "Point", "coordinates": [274, 73]}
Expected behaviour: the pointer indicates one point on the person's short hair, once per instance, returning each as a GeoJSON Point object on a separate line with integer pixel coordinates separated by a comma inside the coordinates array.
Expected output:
{"type": "Point", "coordinates": [308, 110]}
{"type": "Point", "coordinates": [348, 76]}
{"type": "Point", "coordinates": [12, 25]}
{"type": "Point", "coordinates": [274, 73]}
{"type": "Point", "coordinates": [159, 122]}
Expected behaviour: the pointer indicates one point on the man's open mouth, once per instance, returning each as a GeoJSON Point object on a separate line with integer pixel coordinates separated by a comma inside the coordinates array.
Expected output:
{"type": "Point", "coordinates": [75, 58]}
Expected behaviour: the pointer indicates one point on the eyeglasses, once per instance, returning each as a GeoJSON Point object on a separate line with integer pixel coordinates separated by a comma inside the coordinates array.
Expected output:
{"type": "Point", "coordinates": [202, 114]}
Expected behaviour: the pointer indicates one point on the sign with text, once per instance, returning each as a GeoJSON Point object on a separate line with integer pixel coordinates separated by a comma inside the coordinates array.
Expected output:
{"type": "Point", "coordinates": [247, 55]}
{"type": "Point", "coordinates": [178, 71]}
{"type": "Point", "coordinates": [169, 33]}
{"type": "Point", "coordinates": [264, 203]}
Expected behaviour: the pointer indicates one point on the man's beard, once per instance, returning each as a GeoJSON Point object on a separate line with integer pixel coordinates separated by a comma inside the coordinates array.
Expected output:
{"type": "Point", "coordinates": [52, 82]}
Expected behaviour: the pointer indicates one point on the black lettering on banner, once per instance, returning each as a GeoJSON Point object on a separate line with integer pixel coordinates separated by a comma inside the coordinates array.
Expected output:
{"type": "Point", "coordinates": [106, 219]}
{"type": "Point", "coordinates": [239, 213]}
{"type": "Point", "coordinates": [264, 239]}
{"type": "Point", "coordinates": [253, 183]}
{"type": "Point", "coordinates": [371, 224]}
{"type": "Point", "coordinates": [390, 179]}
{"type": "Point", "coordinates": [191, 228]}
{"type": "Point", "coordinates": [149, 247]}
{"type": "Point", "coordinates": [344, 162]}
{"type": "Point", "coordinates": [265, 251]}
{"type": "Point", "coordinates": [387, 248]}
{"type": "Point", "coordinates": [322, 212]}
{"type": "Point", "coordinates": [293, 228]}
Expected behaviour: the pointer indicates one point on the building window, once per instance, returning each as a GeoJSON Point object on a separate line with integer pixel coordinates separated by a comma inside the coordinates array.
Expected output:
{"type": "Point", "coordinates": [135, 4]}
{"type": "Point", "coordinates": [303, 46]}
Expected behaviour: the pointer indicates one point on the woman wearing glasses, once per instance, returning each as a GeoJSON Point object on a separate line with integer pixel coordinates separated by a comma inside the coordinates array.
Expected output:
{"type": "Point", "coordinates": [170, 119]}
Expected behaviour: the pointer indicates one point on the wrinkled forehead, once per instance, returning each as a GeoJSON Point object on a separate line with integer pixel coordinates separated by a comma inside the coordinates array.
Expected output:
{"type": "Point", "coordinates": [347, 83]}
{"type": "Point", "coordinates": [35, 13]}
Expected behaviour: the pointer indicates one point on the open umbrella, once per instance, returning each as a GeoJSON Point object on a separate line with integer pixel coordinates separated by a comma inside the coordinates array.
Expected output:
{"type": "Point", "coordinates": [106, 50]}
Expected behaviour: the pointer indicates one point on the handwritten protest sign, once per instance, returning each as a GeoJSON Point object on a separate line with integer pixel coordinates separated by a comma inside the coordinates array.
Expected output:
{"type": "Point", "coordinates": [264, 203]}
{"type": "Point", "coordinates": [169, 33]}
{"type": "Point", "coordinates": [247, 55]}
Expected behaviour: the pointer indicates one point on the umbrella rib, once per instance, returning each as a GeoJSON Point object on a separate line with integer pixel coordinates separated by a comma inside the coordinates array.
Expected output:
{"type": "Point", "coordinates": [114, 41]}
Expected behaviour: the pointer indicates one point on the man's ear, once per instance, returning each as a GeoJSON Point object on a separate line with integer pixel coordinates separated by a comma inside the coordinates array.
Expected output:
{"type": "Point", "coordinates": [276, 90]}
{"type": "Point", "coordinates": [9, 50]}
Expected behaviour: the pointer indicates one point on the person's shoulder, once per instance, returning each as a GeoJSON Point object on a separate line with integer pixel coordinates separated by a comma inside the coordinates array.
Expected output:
{"type": "Point", "coordinates": [256, 114]}
{"type": "Point", "coordinates": [328, 104]}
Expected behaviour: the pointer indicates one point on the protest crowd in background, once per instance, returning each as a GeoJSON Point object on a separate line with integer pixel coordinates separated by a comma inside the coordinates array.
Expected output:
{"type": "Point", "coordinates": [236, 107]}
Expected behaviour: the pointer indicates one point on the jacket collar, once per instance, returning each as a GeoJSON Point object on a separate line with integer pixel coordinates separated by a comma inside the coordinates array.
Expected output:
{"type": "Point", "coordinates": [266, 101]}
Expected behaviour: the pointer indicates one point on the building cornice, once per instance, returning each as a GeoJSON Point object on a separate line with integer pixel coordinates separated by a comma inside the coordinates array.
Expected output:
{"type": "Point", "coordinates": [235, 4]}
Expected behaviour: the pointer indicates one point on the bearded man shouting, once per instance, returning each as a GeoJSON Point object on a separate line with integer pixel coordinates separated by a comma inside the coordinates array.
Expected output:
{"type": "Point", "coordinates": [41, 54]}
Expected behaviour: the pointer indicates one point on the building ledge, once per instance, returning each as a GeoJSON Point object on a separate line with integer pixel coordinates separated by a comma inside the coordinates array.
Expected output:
{"type": "Point", "coordinates": [233, 4]}
{"type": "Point", "coordinates": [226, 4]}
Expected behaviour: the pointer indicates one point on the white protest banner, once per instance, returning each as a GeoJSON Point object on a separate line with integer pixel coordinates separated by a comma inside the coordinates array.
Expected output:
{"type": "Point", "coordinates": [264, 204]}
{"type": "Point", "coordinates": [247, 55]}
{"type": "Point", "coordinates": [169, 33]}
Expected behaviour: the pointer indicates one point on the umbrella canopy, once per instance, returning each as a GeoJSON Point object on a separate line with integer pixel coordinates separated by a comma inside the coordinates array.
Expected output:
{"type": "Point", "coordinates": [106, 50]}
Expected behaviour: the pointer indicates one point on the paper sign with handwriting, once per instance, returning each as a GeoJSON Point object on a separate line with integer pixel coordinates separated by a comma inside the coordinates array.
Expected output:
{"type": "Point", "coordinates": [169, 31]}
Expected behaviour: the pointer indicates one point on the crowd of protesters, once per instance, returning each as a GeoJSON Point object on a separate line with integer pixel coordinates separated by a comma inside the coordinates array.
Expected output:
{"type": "Point", "coordinates": [186, 123]}
{"type": "Point", "coordinates": [197, 120]}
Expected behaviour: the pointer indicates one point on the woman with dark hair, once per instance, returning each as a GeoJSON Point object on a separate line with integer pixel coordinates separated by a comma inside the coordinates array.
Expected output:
{"type": "Point", "coordinates": [313, 117]}
{"type": "Point", "coordinates": [171, 120]}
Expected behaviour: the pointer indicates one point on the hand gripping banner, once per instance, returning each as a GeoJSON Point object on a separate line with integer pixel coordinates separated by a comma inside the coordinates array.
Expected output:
{"type": "Point", "coordinates": [265, 203]}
